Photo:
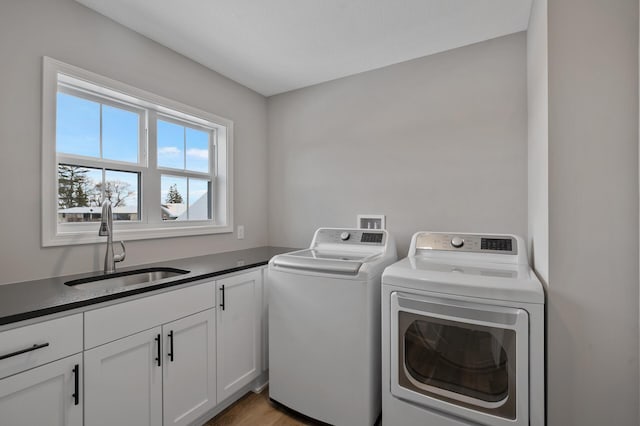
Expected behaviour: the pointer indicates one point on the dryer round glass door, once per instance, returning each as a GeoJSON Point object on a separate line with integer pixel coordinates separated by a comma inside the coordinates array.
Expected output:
{"type": "Point", "coordinates": [458, 355]}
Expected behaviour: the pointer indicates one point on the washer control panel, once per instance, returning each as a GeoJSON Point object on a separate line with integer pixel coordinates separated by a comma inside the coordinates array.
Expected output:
{"type": "Point", "coordinates": [500, 244]}
{"type": "Point", "coordinates": [351, 236]}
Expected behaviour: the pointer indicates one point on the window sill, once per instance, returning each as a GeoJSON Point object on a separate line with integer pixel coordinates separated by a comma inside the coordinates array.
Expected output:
{"type": "Point", "coordinates": [92, 237]}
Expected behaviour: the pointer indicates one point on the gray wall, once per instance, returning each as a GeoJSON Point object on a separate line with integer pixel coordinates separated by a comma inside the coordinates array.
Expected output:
{"type": "Point", "coordinates": [538, 138]}
{"type": "Point", "coordinates": [437, 143]}
{"type": "Point", "coordinates": [593, 213]}
{"type": "Point", "coordinates": [65, 30]}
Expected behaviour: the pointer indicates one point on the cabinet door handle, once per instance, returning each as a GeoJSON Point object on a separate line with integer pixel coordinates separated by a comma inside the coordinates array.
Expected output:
{"type": "Point", "coordinates": [222, 295]}
{"type": "Point", "coordinates": [76, 385]}
{"type": "Point", "coordinates": [170, 346]}
{"type": "Point", "coordinates": [159, 357]}
{"type": "Point", "coordinates": [24, 351]}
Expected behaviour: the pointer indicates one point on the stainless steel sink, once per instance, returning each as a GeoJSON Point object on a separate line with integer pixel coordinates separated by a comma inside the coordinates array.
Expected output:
{"type": "Point", "coordinates": [126, 279]}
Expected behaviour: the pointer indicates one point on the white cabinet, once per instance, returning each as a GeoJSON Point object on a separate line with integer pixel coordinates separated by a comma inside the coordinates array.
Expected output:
{"type": "Point", "coordinates": [162, 360]}
{"type": "Point", "coordinates": [32, 345]}
{"type": "Point", "coordinates": [168, 369]}
{"type": "Point", "coordinates": [107, 324]}
{"type": "Point", "coordinates": [189, 370]}
{"type": "Point", "coordinates": [239, 329]}
{"type": "Point", "coordinates": [47, 395]}
{"type": "Point", "coordinates": [123, 381]}
{"type": "Point", "coordinates": [124, 377]}
{"type": "Point", "coordinates": [41, 369]}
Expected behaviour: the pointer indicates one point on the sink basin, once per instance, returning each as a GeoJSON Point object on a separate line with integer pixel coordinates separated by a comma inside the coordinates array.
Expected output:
{"type": "Point", "coordinates": [125, 279]}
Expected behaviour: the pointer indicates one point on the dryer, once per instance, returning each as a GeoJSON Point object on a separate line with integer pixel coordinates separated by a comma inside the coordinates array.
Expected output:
{"type": "Point", "coordinates": [324, 325]}
{"type": "Point", "coordinates": [463, 333]}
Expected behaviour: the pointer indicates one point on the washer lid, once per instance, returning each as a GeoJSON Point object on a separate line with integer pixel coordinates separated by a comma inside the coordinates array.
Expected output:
{"type": "Point", "coordinates": [331, 262]}
{"type": "Point", "coordinates": [508, 282]}
{"type": "Point", "coordinates": [334, 255]}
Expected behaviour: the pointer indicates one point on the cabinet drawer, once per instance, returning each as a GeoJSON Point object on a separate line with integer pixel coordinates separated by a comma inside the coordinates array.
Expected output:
{"type": "Point", "coordinates": [36, 344]}
{"type": "Point", "coordinates": [116, 321]}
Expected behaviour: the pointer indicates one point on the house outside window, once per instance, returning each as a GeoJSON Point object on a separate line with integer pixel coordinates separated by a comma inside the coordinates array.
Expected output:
{"type": "Point", "coordinates": [164, 166]}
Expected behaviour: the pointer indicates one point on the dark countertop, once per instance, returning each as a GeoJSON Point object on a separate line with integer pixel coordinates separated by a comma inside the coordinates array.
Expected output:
{"type": "Point", "coordinates": [31, 299]}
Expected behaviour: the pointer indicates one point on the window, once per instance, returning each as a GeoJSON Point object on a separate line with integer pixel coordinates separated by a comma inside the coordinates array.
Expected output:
{"type": "Point", "coordinates": [184, 159]}
{"type": "Point", "coordinates": [164, 166]}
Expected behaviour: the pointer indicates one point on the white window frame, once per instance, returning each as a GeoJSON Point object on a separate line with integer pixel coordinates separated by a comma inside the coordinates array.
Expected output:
{"type": "Point", "coordinates": [150, 225]}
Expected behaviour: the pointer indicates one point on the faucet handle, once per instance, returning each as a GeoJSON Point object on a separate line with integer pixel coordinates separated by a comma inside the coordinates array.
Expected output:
{"type": "Point", "coordinates": [122, 256]}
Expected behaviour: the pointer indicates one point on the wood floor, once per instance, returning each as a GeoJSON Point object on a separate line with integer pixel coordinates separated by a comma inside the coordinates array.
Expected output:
{"type": "Point", "coordinates": [256, 410]}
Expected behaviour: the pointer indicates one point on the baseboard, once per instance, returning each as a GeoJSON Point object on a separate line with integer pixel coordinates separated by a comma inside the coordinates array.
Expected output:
{"type": "Point", "coordinates": [260, 387]}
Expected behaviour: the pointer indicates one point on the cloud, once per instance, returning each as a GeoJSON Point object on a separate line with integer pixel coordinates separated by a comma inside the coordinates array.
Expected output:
{"type": "Point", "coordinates": [202, 154]}
{"type": "Point", "coordinates": [169, 150]}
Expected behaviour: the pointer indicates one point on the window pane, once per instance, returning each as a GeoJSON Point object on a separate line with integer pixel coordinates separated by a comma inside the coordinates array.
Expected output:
{"type": "Point", "coordinates": [121, 188]}
{"type": "Point", "coordinates": [77, 126]}
{"type": "Point", "coordinates": [120, 134]}
{"type": "Point", "coordinates": [199, 199]}
{"type": "Point", "coordinates": [170, 145]}
{"type": "Point", "coordinates": [197, 150]}
{"type": "Point", "coordinates": [174, 197]}
{"type": "Point", "coordinates": [78, 193]}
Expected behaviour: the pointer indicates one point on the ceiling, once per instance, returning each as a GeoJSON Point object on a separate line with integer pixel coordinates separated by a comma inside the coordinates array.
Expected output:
{"type": "Point", "coordinates": [279, 45]}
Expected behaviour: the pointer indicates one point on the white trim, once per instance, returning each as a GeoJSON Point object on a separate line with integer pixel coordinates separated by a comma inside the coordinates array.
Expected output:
{"type": "Point", "coordinates": [49, 160]}
{"type": "Point", "coordinates": [149, 226]}
{"type": "Point", "coordinates": [125, 93]}
{"type": "Point", "coordinates": [70, 238]}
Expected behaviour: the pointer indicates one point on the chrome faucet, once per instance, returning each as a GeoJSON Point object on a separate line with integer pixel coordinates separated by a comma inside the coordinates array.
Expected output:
{"type": "Point", "coordinates": [106, 230]}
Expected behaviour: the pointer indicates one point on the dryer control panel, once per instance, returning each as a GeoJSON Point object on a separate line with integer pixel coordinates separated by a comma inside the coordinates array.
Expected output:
{"type": "Point", "coordinates": [474, 243]}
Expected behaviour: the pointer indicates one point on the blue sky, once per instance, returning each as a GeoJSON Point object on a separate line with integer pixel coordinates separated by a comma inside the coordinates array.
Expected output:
{"type": "Point", "coordinates": [174, 140]}
{"type": "Point", "coordinates": [78, 130]}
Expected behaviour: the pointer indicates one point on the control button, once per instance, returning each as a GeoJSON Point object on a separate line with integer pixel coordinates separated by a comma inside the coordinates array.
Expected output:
{"type": "Point", "coordinates": [345, 236]}
{"type": "Point", "coordinates": [457, 242]}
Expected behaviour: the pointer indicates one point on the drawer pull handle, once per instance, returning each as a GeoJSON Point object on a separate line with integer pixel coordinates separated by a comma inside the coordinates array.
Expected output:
{"type": "Point", "coordinates": [76, 384]}
{"type": "Point", "coordinates": [24, 351]}
{"type": "Point", "coordinates": [222, 294]}
{"type": "Point", "coordinates": [159, 358]}
{"type": "Point", "coordinates": [171, 346]}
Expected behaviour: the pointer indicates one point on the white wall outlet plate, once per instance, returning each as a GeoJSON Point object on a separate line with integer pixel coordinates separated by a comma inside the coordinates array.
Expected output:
{"type": "Point", "coordinates": [371, 221]}
{"type": "Point", "coordinates": [241, 232]}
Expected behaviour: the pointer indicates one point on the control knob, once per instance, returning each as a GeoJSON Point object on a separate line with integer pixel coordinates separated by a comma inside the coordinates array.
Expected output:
{"type": "Point", "coordinates": [457, 242]}
{"type": "Point", "coordinates": [345, 236]}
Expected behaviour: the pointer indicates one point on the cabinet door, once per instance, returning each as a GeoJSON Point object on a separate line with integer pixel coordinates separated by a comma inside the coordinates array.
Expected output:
{"type": "Point", "coordinates": [123, 381]}
{"type": "Point", "coordinates": [189, 376]}
{"type": "Point", "coordinates": [238, 334]}
{"type": "Point", "coordinates": [47, 395]}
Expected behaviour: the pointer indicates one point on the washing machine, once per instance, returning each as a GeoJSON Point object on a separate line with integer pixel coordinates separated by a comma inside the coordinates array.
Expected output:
{"type": "Point", "coordinates": [463, 334]}
{"type": "Point", "coordinates": [324, 325]}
